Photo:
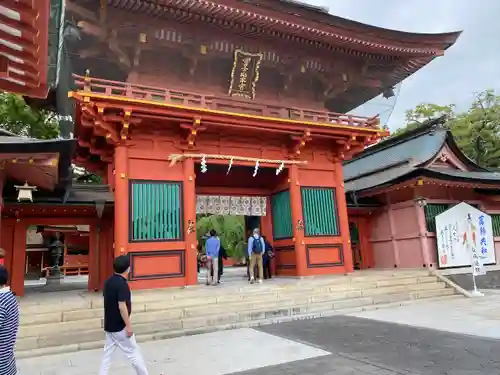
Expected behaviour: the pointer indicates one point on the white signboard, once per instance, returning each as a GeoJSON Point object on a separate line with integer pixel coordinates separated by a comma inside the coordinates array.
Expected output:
{"type": "Point", "coordinates": [465, 238]}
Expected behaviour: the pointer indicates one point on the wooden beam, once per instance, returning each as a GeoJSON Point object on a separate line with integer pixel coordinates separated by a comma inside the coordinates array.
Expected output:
{"type": "Point", "coordinates": [300, 143]}
{"type": "Point", "coordinates": [25, 10]}
{"type": "Point", "coordinates": [27, 58]}
{"type": "Point", "coordinates": [193, 129]}
{"type": "Point", "coordinates": [228, 119]}
{"type": "Point", "coordinates": [72, 7]}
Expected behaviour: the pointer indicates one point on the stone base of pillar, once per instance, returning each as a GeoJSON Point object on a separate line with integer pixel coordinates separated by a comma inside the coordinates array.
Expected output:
{"type": "Point", "coordinates": [54, 280]}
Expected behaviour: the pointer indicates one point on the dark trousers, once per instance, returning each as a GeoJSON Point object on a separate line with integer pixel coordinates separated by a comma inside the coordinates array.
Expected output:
{"type": "Point", "coordinates": [267, 269]}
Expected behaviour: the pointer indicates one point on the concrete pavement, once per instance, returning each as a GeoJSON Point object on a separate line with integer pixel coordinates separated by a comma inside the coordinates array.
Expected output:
{"type": "Point", "coordinates": [456, 336]}
{"type": "Point", "coordinates": [470, 316]}
{"type": "Point", "coordinates": [208, 354]}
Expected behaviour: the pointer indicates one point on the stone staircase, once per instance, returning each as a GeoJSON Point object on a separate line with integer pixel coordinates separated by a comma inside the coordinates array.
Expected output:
{"type": "Point", "coordinates": [65, 322]}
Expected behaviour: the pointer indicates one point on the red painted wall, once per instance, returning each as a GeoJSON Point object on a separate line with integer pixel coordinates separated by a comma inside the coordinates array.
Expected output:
{"type": "Point", "coordinates": [146, 158]}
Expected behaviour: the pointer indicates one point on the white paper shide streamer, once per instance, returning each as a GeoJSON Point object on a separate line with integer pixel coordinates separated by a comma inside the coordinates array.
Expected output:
{"type": "Point", "coordinates": [203, 164]}
{"type": "Point", "coordinates": [280, 168]}
{"type": "Point", "coordinates": [256, 169]}
{"type": "Point", "coordinates": [230, 165]}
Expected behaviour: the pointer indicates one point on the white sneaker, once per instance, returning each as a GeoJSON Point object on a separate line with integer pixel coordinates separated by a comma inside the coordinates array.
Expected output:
{"type": "Point", "coordinates": [252, 281]}
{"type": "Point", "coordinates": [260, 281]}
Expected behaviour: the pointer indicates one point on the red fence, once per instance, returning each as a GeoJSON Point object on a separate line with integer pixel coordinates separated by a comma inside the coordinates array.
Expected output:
{"type": "Point", "coordinates": [227, 104]}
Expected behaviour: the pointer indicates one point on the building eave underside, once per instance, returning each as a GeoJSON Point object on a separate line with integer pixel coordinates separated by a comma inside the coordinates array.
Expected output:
{"type": "Point", "coordinates": [24, 58]}
{"type": "Point", "coordinates": [65, 148]}
{"type": "Point", "coordinates": [314, 27]}
{"type": "Point", "coordinates": [75, 194]}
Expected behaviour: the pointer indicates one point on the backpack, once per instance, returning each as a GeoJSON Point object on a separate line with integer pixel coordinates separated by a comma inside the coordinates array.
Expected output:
{"type": "Point", "coordinates": [257, 246]}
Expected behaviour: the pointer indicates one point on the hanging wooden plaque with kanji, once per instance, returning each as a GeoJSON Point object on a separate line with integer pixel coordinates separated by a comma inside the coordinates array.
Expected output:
{"type": "Point", "coordinates": [245, 74]}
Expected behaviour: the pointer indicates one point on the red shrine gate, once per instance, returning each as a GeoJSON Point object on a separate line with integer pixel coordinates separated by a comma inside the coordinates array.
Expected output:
{"type": "Point", "coordinates": [155, 185]}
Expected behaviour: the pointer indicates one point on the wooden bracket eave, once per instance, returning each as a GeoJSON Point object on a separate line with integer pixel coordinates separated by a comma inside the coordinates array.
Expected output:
{"type": "Point", "coordinates": [102, 127]}
{"type": "Point", "coordinates": [300, 143]}
{"type": "Point", "coordinates": [125, 125]}
{"type": "Point", "coordinates": [193, 130]}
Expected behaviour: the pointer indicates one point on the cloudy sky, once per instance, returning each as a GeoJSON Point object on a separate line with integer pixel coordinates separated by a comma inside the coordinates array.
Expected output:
{"type": "Point", "coordinates": [471, 65]}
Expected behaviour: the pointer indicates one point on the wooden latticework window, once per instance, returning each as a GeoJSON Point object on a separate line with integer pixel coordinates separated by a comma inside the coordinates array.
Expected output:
{"type": "Point", "coordinates": [431, 211]}
{"type": "Point", "coordinates": [282, 215]}
{"type": "Point", "coordinates": [320, 212]}
{"type": "Point", "coordinates": [495, 221]}
{"type": "Point", "coordinates": [155, 211]}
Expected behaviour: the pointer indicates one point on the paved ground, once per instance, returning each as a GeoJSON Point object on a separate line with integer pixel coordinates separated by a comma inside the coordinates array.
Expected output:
{"type": "Point", "coordinates": [367, 343]}
{"type": "Point", "coordinates": [367, 347]}
{"type": "Point", "coordinates": [471, 316]}
{"type": "Point", "coordinates": [209, 354]}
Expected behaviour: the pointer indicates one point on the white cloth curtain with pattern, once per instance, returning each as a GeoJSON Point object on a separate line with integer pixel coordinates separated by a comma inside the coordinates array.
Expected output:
{"type": "Point", "coordinates": [228, 205]}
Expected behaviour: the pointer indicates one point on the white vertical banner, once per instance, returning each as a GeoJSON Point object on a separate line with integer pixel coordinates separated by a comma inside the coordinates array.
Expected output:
{"type": "Point", "coordinates": [464, 237]}
{"type": "Point", "coordinates": [470, 239]}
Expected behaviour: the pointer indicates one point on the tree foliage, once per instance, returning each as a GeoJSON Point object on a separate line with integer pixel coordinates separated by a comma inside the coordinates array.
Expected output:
{"type": "Point", "coordinates": [230, 229]}
{"type": "Point", "coordinates": [21, 119]}
{"type": "Point", "coordinates": [476, 131]}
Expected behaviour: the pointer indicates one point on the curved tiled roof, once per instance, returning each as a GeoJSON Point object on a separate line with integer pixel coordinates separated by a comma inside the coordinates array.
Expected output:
{"type": "Point", "coordinates": [406, 155]}
{"type": "Point", "coordinates": [316, 25]}
{"type": "Point", "coordinates": [412, 152]}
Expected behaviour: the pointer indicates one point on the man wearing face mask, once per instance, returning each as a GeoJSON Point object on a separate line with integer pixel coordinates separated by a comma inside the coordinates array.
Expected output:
{"type": "Point", "coordinates": [256, 247]}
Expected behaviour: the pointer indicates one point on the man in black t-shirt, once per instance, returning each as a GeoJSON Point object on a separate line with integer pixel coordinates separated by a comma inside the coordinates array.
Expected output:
{"type": "Point", "coordinates": [117, 324]}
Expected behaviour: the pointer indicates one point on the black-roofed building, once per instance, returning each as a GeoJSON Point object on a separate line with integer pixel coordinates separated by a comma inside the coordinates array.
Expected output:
{"type": "Point", "coordinates": [37, 190]}
{"type": "Point", "coordinates": [396, 188]}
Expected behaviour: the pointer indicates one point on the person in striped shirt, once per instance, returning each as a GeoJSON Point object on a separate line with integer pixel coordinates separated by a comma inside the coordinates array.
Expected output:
{"type": "Point", "coordinates": [9, 324]}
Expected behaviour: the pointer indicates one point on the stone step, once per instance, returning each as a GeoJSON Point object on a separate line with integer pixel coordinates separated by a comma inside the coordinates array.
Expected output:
{"type": "Point", "coordinates": [73, 320]}
{"type": "Point", "coordinates": [208, 301]}
{"type": "Point", "coordinates": [160, 327]}
{"type": "Point", "coordinates": [218, 295]}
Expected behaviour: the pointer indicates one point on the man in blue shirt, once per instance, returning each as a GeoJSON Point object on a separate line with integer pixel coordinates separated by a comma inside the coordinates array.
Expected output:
{"type": "Point", "coordinates": [256, 247]}
{"type": "Point", "coordinates": [212, 248]}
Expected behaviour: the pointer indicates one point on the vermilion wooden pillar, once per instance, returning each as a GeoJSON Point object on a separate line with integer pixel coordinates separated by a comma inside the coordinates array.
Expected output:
{"type": "Point", "coordinates": [18, 258]}
{"type": "Point", "coordinates": [189, 194]}
{"type": "Point", "coordinates": [298, 235]}
{"type": "Point", "coordinates": [121, 200]}
{"type": "Point", "coordinates": [364, 229]}
{"type": "Point", "coordinates": [343, 218]}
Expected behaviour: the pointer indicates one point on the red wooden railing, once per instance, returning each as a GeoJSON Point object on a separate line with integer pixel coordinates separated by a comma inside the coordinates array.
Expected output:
{"type": "Point", "coordinates": [228, 104]}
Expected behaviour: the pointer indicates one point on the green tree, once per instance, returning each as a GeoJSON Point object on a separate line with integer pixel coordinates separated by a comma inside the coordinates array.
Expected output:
{"type": "Point", "coordinates": [230, 229]}
{"type": "Point", "coordinates": [422, 113]}
{"type": "Point", "coordinates": [476, 131]}
{"type": "Point", "coordinates": [21, 119]}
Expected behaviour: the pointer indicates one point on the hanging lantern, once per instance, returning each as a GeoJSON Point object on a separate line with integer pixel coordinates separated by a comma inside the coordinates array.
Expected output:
{"type": "Point", "coordinates": [25, 192]}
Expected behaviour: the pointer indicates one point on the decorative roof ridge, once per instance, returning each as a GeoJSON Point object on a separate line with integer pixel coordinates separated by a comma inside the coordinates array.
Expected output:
{"type": "Point", "coordinates": [357, 26]}
{"type": "Point", "coordinates": [427, 127]}
{"type": "Point", "coordinates": [446, 38]}
{"type": "Point", "coordinates": [377, 170]}
{"type": "Point", "coordinates": [450, 141]}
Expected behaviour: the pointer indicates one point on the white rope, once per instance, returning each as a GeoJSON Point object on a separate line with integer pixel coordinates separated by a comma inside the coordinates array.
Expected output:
{"type": "Point", "coordinates": [174, 158]}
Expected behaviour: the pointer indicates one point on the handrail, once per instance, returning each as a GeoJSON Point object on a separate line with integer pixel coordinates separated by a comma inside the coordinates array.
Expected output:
{"type": "Point", "coordinates": [227, 104]}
